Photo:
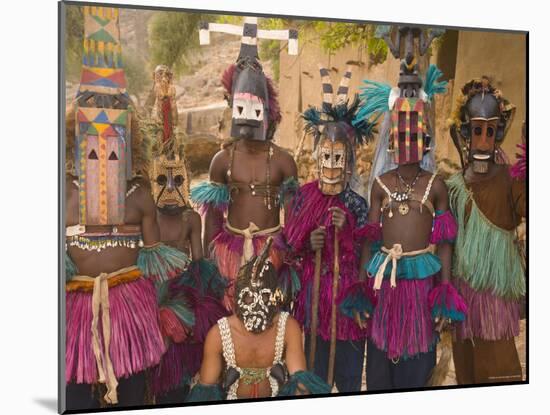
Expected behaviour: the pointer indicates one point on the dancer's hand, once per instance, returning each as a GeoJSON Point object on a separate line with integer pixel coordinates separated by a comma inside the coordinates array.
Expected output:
{"type": "Point", "coordinates": [441, 324]}
{"type": "Point", "coordinates": [317, 238]}
{"type": "Point", "coordinates": [338, 217]}
{"type": "Point", "coordinates": [357, 317]}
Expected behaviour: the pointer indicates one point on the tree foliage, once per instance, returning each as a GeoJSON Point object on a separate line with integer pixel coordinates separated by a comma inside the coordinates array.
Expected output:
{"type": "Point", "coordinates": [74, 32]}
{"type": "Point", "coordinates": [335, 36]}
{"type": "Point", "coordinates": [173, 36]}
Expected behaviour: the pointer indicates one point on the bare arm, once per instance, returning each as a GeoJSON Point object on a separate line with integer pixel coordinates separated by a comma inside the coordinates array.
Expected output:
{"type": "Point", "coordinates": [376, 197]}
{"type": "Point", "coordinates": [149, 226]}
{"type": "Point", "coordinates": [289, 168]}
{"type": "Point", "coordinates": [294, 354]}
{"type": "Point", "coordinates": [212, 361]}
{"type": "Point", "coordinates": [195, 235]}
{"type": "Point", "coordinates": [444, 249]}
{"type": "Point", "coordinates": [519, 198]}
{"type": "Point", "coordinates": [214, 217]}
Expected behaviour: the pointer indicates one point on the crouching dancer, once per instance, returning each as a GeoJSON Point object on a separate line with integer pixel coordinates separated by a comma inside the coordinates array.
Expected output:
{"type": "Point", "coordinates": [257, 352]}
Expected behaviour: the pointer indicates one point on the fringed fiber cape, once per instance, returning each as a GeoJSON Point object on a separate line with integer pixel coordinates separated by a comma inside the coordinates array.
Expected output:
{"type": "Point", "coordinates": [488, 266]}
{"type": "Point", "coordinates": [308, 211]}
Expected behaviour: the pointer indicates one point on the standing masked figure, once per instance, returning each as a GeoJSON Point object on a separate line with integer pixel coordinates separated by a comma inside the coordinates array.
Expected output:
{"type": "Point", "coordinates": [190, 303]}
{"type": "Point", "coordinates": [488, 204]}
{"type": "Point", "coordinates": [250, 178]}
{"type": "Point", "coordinates": [405, 294]}
{"type": "Point", "coordinates": [257, 352]}
{"type": "Point", "coordinates": [318, 208]}
{"type": "Point", "coordinates": [113, 250]}
{"type": "Point", "coordinates": [165, 110]}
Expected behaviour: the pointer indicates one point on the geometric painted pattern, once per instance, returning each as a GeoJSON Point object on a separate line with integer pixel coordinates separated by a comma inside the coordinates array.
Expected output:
{"type": "Point", "coordinates": [408, 122]}
{"type": "Point", "coordinates": [103, 149]}
{"type": "Point", "coordinates": [102, 69]}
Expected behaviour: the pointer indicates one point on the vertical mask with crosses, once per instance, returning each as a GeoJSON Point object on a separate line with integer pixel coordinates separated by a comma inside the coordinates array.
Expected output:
{"type": "Point", "coordinates": [250, 97]}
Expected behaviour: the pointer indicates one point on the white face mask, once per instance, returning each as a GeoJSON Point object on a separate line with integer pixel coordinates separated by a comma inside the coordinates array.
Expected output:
{"type": "Point", "coordinates": [248, 107]}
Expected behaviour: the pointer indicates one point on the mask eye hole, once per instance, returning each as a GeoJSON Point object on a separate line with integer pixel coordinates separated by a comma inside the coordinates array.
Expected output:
{"type": "Point", "coordinates": [258, 113]}
{"type": "Point", "coordinates": [92, 155]}
{"type": "Point", "coordinates": [477, 130]}
{"type": "Point", "coordinates": [162, 179]}
{"type": "Point", "coordinates": [248, 299]}
{"type": "Point", "coordinates": [240, 109]}
{"type": "Point", "coordinates": [178, 180]}
{"type": "Point", "coordinates": [337, 157]}
{"type": "Point", "coordinates": [490, 131]}
{"type": "Point", "coordinates": [327, 156]}
{"type": "Point", "coordinates": [113, 156]}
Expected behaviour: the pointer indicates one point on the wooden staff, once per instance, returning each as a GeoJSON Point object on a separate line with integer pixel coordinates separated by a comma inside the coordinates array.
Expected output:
{"type": "Point", "coordinates": [335, 277]}
{"type": "Point", "coordinates": [315, 310]}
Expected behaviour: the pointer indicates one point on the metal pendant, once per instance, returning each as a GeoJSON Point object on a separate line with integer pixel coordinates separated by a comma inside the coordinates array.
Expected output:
{"type": "Point", "coordinates": [403, 208]}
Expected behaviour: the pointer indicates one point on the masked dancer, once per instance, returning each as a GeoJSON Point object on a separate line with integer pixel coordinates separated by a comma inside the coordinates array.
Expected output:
{"type": "Point", "coordinates": [327, 215]}
{"type": "Point", "coordinates": [407, 289]}
{"type": "Point", "coordinates": [192, 304]}
{"type": "Point", "coordinates": [488, 203]}
{"type": "Point", "coordinates": [113, 251]}
{"type": "Point", "coordinates": [257, 352]}
{"type": "Point", "coordinates": [250, 178]}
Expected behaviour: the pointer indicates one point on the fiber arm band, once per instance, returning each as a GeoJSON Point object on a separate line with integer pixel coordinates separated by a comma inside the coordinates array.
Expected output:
{"type": "Point", "coordinates": [204, 393]}
{"type": "Point", "coordinates": [446, 302]}
{"type": "Point", "coordinates": [444, 229]}
{"type": "Point", "coordinates": [304, 383]}
{"type": "Point", "coordinates": [359, 297]}
{"type": "Point", "coordinates": [210, 194]}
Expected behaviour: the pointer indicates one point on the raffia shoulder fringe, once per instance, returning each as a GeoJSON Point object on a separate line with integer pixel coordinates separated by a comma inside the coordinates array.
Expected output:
{"type": "Point", "coordinates": [485, 255]}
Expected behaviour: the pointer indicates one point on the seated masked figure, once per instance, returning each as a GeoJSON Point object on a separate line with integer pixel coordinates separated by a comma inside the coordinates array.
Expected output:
{"type": "Point", "coordinates": [405, 294]}
{"type": "Point", "coordinates": [113, 250]}
{"type": "Point", "coordinates": [190, 304]}
{"type": "Point", "coordinates": [257, 352]}
{"type": "Point", "coordinates": [488, 200]}
{"type": "Point", "coordinates": [250, 178]}
{"type": "Point", "coordinates": [320, 212]}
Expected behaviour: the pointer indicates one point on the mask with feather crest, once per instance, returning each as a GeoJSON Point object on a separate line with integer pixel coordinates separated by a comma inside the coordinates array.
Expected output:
{"type": "Point", "coordinates": [335, 136]}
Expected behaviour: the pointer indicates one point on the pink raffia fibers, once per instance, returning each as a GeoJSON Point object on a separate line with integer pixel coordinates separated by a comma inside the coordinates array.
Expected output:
{"type": "Point", "coordinates": [401, 323]}
{"type": "Point", "coordinates": [227, 250]}
{"type": "Point", "coordinates": [446, 302]}
{"type": "Point", "coordinates": [310, 212]}
{"type": "Point", "coordinates": [180, 363]}
{"type": "Point", "coordinates": [183, 358]}
{"type": "Point", "coordinates": [171, 326]}
{"type": "Point", "coordinates": [519, 169]}
{"type": "Point", "coordinates": [371, 232]}
{"type": "Point", "coordinates": [445, 228]}
{"type": "Point", "coordinates": [489, 317]}
{"type": "Point", "coordinates": [136, 340]}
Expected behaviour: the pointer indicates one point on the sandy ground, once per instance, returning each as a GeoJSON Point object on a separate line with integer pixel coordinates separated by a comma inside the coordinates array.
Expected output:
{"type": "Point", "coordinates": [451, 377]}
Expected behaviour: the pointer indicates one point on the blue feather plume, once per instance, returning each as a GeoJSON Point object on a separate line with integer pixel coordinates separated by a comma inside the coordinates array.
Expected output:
{"type": "Point", "coordinates": [431, 84]}
{"type": "Point", "coordinates": [374, 101]}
